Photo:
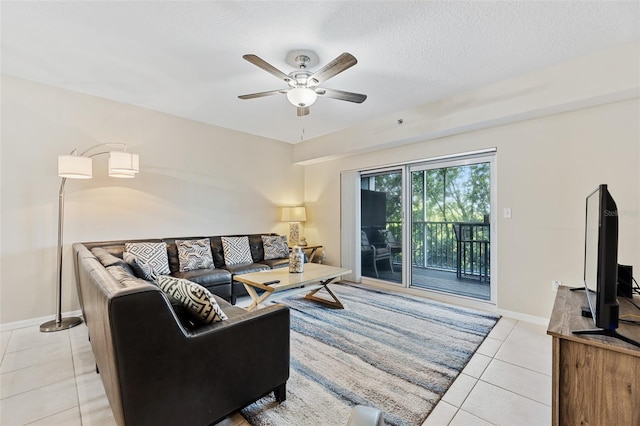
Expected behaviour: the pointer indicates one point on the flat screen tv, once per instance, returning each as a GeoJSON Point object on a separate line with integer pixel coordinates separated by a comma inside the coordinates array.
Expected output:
{"type": "Point", "coordinates": [601, 263]}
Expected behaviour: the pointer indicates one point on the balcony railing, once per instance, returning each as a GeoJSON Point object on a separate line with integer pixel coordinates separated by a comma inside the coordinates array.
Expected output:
{"type": "Point", "coordinates": [463, 247]}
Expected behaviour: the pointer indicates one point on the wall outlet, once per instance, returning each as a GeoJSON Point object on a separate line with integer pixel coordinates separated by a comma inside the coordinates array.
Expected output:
{"type": "Point", "coordinates": [555, 284]}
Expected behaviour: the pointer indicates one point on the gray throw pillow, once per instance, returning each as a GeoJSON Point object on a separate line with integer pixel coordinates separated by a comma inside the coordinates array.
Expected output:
{"type": "Point", "coordinates": [197, 299]}
{"type": "Point", "coordinates": [236, 250]}
{"type": "Point", "coordinates": [194, 254]}
{"type": "Point", "coordinates": [275, 247]}
{"type": "Point", "coordinates": [155, 254]}
{"type": "Point", "coordinates": [140, 268]}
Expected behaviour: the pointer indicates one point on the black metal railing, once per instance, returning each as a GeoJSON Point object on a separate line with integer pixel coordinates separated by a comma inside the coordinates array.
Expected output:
{"type": "Point", "coordinates": [463, 247]}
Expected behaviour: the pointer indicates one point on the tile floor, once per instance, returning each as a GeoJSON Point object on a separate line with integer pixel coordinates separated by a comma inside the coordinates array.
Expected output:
{"type": "Point", "coordinates": [50, 379]}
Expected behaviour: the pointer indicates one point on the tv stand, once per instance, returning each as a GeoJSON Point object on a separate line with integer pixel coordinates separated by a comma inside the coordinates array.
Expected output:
{"type": "Point", "coordinates": [595, 376]}
{"type": "Point", "coordinates": [606, 332]}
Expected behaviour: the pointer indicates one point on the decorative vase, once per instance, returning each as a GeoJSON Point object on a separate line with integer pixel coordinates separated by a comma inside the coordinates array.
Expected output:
{"type": "Point", "coordinates": [296, 260]}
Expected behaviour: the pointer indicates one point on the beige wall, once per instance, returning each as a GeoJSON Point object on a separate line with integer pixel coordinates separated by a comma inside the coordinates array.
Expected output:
{"type": "Point", "coordinates": [546, 167]}
{"type": "Point", "coordinates": [573, 126]}
{"type": "Point", "coordinates": [195, 179]}
{"type": "Point", "coordinates": [559, 132]}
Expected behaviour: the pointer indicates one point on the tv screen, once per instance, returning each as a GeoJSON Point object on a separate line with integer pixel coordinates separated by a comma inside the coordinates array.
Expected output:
{"type": "Point", "coordinates": [601, 258]}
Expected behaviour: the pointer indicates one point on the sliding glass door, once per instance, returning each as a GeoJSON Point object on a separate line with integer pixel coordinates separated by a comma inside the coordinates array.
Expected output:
{"type": "Point", "coordinates": [451, 229]}
{"type": "Point", "coordinates": [381, 225]}
{"type": "Point", "coordinates": [428, 225]}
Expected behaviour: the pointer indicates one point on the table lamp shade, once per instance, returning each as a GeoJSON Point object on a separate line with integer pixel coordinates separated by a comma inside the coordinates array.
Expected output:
{"type": "Point", "coordinates": [294, 214]}
{"type": "Point", "coordinates": [75, 167]}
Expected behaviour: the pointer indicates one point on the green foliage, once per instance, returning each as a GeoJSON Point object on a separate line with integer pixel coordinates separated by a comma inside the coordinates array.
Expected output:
{"type": "Point", "coordinates": [452, 194]}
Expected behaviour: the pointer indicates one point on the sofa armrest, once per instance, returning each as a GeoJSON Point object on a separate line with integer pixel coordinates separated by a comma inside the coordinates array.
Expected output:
{"type": "Point", "coordinates": [209, 372]}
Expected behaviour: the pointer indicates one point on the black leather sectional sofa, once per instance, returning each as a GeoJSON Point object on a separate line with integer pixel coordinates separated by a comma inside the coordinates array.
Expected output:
{"type": "Point", "coordinates": [218, 280]}
{"type": "Point", "coordinates": [157, 367]}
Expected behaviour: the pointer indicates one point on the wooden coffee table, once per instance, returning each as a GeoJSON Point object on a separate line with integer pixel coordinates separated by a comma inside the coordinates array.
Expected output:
{"type": "Point", "coordinates": [314, 278]}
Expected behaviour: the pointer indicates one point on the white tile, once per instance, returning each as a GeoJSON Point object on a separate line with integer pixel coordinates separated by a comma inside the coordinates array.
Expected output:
{"type": "Point", "coordinates": [504, 321]}
{"type": "Point", "coordinates": [527, 346]}
{"type": "Point", "coordinates": [464, 418]}
{"type": "Point", "coordinates": [525, 382]}
{"type": "Point", "coordinates": [502, 329]}
{"type": "Point", "coordinates": [94, 405]}
{"type": "Point", "coordinates": [79, 338]}
{"type": "Point", "coordinates": [70, 417]}
{"type": "Point", "coordinates": [84, 361]}
{"type": "Point", "coordinates": [39, 403]}
{"type": "Point", "coordinates": [476, 366]}
{"type": "Point", "coordinates": [441, 415]}
{"type": "Point", "coordinates": [459, 390]}
{"type": "Point", "coordinates": [489, 347]}
{"type": "Point", "coordinates": [39, 375]}
{"type": "Point", "coordinates": [51, 352]}
{"type": "Point", "coordinates": [501, 407]}
{"type": "Point", "coordinates": [32, 337]}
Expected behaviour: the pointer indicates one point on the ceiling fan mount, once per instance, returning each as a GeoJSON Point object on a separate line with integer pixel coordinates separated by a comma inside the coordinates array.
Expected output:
{"type": "Point", "coordinates": [302, 61]}
{"type": "Point", "coordinates": [303, 84]}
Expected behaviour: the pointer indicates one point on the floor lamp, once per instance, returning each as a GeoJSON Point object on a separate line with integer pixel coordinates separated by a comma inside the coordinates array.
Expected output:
{"type": "Point", "coordinates": [122, 164]}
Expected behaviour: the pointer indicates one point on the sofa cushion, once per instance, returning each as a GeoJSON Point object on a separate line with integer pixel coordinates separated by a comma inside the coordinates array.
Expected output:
{"type": "Point", "coordinates": [194, 254]}
{"type": "Point", "coordinates": [155, 254]}
{"type": "Point", "coordinates": [206, 277]}
{"type": "Point", "coordinates": [125, 277]}
{"type": "Point", "coordinates": [236, 250]}
{"type": "Point", "coordinates": [245, 268]}
{"type": "Point", "coordinates": [107, 259]}
{"type": "Point", "coordinates": [276, 263]}
{"type": "Point", "coordinates": [140, 268]}
{"type": "Point", "coordinates": [275, 247]}
{"type": "Point", "coordinates": [192, 296]}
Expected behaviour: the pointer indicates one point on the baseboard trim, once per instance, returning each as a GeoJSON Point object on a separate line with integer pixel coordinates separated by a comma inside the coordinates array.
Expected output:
{"type": "Point", "coordinates": [36, 321]}
{"type": "Point", "coordinates": [524, 317]}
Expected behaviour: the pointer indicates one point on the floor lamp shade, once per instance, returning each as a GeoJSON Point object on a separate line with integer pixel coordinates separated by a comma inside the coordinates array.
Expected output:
{"type": "Point", "coordinates": [123, 164]}
{"type": "Point", "coordinates": [75, 167]}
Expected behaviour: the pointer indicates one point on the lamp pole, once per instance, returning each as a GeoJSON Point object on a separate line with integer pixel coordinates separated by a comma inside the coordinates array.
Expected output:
{"type": "Point", "coordinates": [60, 323]}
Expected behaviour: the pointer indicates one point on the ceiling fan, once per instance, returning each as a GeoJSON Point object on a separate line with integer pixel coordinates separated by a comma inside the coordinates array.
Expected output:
{"type": "Point", "coordinates": [303, 87]}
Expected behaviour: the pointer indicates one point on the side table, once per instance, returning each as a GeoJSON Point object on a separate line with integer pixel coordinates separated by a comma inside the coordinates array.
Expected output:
{"type": "Point", "coordinates": [309, 250]}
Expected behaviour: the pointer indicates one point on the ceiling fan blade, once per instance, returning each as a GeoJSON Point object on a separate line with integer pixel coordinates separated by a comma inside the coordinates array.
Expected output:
{"type": "Point", "coordinates": [339, 64]}
{"type": "Point", "coordinates": [302, 111]}
{"type": "Point", "coordinates": [262, 94]}
{"type": "Point", "coordinates": [261, 63]}
{"type": "Point", "coordinates": [341, 95]}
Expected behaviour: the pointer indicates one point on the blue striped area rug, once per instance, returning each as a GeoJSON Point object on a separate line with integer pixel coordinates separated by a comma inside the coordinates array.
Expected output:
{"type": "Point", "coordinates": [392, 351]}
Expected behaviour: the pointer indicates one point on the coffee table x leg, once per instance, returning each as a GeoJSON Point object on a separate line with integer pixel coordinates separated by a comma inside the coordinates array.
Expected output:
{"type": "Point", "coordinates": [256, 299]}
{"type": "Point", "coordinates": [336, 303]}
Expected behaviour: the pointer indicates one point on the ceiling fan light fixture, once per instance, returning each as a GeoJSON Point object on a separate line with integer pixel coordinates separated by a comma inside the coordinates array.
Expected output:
{"type": "Point", "coordinates": [302, 96]}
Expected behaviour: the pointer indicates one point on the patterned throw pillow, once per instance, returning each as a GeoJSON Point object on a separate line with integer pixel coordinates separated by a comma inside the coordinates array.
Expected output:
{"type": "Point", "coordinates": [275, 247]}
{"type": "Point", "coordinates": [236, 250]}
{"type": "Point", "coordinates": [155, 254]}
{"type": "Point", "coordinates": [197, 299]}
{"type": "Point", "coordinates": [194, 254]}
{"type": "Point", "coordinates": [140, 268]}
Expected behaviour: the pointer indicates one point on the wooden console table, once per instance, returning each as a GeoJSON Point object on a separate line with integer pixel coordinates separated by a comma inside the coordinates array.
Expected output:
{"type": "Point", "coordinates": [596, 379]}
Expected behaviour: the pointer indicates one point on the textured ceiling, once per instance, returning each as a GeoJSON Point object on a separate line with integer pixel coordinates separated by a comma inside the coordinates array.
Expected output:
{"type": "Point", "coordinates": [185, 58]}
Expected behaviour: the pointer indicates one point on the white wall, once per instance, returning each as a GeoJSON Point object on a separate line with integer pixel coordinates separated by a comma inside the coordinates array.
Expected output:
{"type": "Point", "coordinates": [195, 179]}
